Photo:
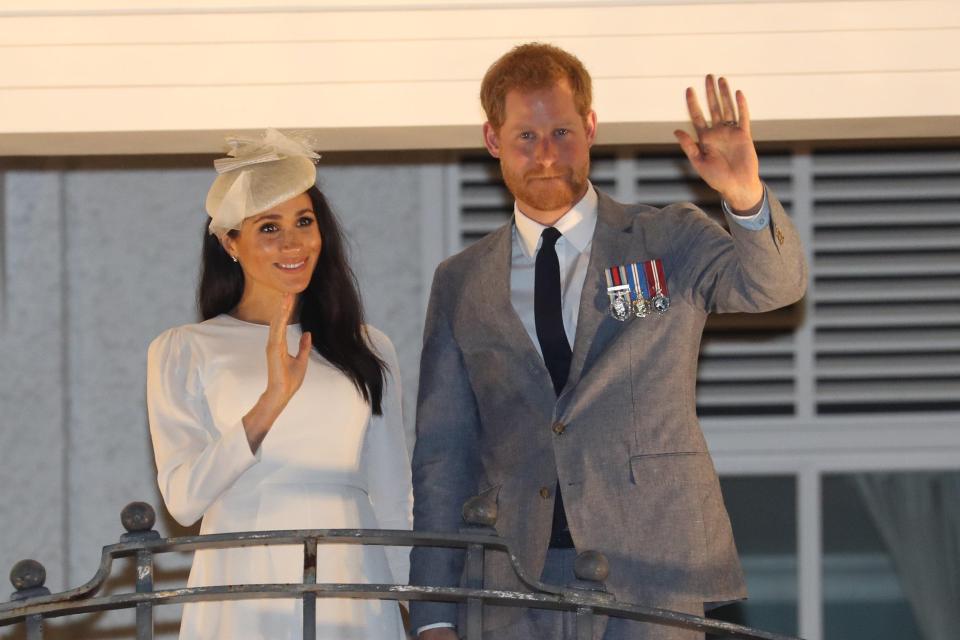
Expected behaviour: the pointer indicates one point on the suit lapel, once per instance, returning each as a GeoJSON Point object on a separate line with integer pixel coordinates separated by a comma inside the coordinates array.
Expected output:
{"type": "Point", "coordinates": [610, 247]}
{"type": "Point", "coordinates": [492, 288]}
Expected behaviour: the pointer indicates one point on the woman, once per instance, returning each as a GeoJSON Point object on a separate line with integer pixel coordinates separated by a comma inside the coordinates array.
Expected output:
{"type": "Point", "coordinates": [249, 440]}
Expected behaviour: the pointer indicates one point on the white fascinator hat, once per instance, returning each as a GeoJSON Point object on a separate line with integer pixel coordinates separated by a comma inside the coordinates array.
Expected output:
{"type": "Point", "coordinates": [258, 175]}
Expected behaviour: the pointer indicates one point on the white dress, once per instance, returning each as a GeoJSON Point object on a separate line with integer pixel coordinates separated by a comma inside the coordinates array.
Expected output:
{"type": "Point", "coordinates": [326, 463]}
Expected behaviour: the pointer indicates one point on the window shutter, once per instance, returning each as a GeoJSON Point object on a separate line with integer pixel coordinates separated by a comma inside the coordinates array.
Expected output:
{"type": "Point", "coordinates": [883, 308]}
{"type": "Point", "coordinates": [886, 282]}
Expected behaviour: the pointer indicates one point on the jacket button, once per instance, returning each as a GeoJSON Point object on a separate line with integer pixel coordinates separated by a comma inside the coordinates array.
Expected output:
{"type": "Point", "coordinates": [558, 427]}
{"type": "Point", "coordinates": [544, 493]}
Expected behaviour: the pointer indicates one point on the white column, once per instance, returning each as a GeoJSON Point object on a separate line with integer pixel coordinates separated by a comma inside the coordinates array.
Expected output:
{"type": "Point", "coordinates": [809, 554]}
{"type": "Point", "coordinates": [802, 210]}
{"type": "Point", "coordinates": [435, 217]}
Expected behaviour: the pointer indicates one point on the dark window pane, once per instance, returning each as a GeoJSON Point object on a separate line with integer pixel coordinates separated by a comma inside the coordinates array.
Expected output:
{"type": "Point", "coordinates": [863, 598]}
{"type": "Point", "coordinates": [763, 513]}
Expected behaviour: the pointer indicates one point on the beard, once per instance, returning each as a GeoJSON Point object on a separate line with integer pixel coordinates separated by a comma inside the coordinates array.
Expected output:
{"type": "Point", "coordinates": [561, 192]}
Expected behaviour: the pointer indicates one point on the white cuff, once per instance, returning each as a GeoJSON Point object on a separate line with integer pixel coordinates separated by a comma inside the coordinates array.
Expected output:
{"type": "Point", "coordinates": [435, 625]}
{"type": "Point", "coordinates": [757, 221]}
{"type": "Point", "coordinates": [234, 440]}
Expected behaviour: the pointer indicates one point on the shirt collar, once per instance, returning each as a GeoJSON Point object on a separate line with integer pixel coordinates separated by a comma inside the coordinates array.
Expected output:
{"type": "Point", "coordinates": [576, 225]}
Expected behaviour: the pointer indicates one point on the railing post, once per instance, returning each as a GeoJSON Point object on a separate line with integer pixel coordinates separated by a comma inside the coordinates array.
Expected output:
{"type": "Point", "coordinates": [480, 515]}
{"type": "Point", "coordinates": [591, 569]}
{"type": "Point", "coordinates": [138, 519]}
{"type": "Point", "coordinates": [310, 599]}
{"type": "Point", "coordinates": [27, 577]}
{"type": "Point", "coordinates": [473, 571]}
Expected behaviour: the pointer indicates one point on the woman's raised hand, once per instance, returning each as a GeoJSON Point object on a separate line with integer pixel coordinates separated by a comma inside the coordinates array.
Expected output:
{"type": "Point", "coordinates": [285, 374]}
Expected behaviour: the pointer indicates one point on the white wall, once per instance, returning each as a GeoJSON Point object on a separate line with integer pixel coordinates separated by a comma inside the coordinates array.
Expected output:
{"type": "Point", "coordinates": [146, 76]}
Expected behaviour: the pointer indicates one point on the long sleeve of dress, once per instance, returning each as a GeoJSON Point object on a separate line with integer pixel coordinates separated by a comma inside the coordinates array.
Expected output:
{"type": "Point", "coordinates": [196, 460]}
{"type": "Point", "coordinates": [386, 461]}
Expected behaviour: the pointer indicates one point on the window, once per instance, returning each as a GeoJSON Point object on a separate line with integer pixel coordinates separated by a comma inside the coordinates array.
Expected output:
{"type": "Point", "coordinates": [863, 375]}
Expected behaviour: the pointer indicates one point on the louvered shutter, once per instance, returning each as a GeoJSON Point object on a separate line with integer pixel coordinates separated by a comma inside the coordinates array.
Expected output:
{"type": "Point", "coordinates": [886, 285]}
{"type": "Point", "coordinates": [880, 328]}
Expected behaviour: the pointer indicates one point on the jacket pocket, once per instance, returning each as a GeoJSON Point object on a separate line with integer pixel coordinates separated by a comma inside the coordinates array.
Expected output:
{"type": "Point", "coordinates": [653, 463]}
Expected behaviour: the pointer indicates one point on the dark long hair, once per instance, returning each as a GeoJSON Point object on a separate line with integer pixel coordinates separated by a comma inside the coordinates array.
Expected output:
{"type": "Point", "coordinates": [330, 306]}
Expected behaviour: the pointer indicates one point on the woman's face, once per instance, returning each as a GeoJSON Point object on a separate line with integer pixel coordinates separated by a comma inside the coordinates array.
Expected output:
{"type": "Point", "coordinates": [279, 248]}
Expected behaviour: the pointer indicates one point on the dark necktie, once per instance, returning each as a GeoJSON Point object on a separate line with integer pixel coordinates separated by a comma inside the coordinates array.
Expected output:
{"type": "Point", "coordinates": [548, 311]}
{"type": "Point", "coordinates": [548, 317]}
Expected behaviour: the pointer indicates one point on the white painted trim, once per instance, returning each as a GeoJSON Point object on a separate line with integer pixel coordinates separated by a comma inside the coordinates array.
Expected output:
{"type": "Point", "coordinates": [861, 443]}
{"type": "Point", "coordinates": [71, 8]}
{"type": "Point", "coordinates": [434, 219]}
{"type": "Point", "coordinates": [452, 228]}
{"type": "Point", "coordinates": [809, 551]}
{"type": "Point", "coordinates": [142, 78]}
{"type": "Point", "coordinates": [801, 208]}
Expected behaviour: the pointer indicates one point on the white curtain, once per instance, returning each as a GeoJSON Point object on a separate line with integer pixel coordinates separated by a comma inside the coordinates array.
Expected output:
{"type": "Point", "coordinates": [918, 516]}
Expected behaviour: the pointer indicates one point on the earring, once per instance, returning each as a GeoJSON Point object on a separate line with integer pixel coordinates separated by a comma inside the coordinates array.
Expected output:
{"type": "Point", "coordinates": [235, 258]}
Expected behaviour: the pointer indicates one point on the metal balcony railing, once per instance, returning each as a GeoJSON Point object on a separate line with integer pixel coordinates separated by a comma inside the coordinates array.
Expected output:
{"type": "Point", "coordinates": [32, 603]}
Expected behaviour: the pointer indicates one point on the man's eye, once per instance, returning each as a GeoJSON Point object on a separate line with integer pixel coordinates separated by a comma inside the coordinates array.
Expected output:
{"type": "Point", "coordinates": [268, 228]}
{"type": "Point", "coordinates": [526, 135]}
{"type": "Point", "coordinates": [562, 132]}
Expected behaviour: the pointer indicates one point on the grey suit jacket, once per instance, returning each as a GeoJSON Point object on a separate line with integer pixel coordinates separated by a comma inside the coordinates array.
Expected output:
{"type": "Point", "coordinates": [638, 483]}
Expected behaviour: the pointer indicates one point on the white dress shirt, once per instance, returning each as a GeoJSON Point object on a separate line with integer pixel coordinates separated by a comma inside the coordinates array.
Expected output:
{"type": "Point", "coordinates": [573, 253]}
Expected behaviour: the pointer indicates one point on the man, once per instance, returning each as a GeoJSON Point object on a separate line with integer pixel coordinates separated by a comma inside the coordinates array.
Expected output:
{"type": "Point", "coordinates": [560, 352]}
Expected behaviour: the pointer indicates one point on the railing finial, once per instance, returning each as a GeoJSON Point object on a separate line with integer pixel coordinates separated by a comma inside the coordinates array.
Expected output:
{"type": "Point", "coordinates": [591, 566]}
{"type": "Point", "coordinates": [27, 577]}
{"type": "Point", "coordinates": [481, 510]}
{"type": "Point", "coordinates": [138, 517]}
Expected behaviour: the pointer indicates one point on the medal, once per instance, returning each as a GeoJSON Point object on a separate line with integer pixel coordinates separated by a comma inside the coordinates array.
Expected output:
{"type": "Point", "coordinates": [620, 305]}
{"type": "Point", "coordinates": [641, 291]}
{"type": "Point", "coordinates": [619, 292]}
{"type": "Point", "coordinates": [653, 269]}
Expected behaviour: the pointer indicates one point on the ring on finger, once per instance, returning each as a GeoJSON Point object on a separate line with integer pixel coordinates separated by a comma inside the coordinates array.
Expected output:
{"type": "Point", "coordinates": [729, 123]}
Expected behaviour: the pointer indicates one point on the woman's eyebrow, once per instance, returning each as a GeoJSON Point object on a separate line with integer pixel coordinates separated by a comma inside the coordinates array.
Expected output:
{"type": "Point", "coordinates": [267, 216]}
{"type": "Point", "coordinates": [277, 216]}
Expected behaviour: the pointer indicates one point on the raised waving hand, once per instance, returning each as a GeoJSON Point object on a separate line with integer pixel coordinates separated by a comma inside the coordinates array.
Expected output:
{"type": "Point", "coordinates": [285, 374]}
{"type": "Point", "coordinates": [723, 152]}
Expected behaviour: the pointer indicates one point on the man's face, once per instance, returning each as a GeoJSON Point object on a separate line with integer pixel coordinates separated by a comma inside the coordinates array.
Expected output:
{"type": "Point", "coordinates": [544, 150]}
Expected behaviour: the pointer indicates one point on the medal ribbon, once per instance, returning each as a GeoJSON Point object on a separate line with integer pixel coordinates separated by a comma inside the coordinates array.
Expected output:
{"type": "Point", "coordinates": [653, 269]}
{"type": "Point", "coordinates": [661, 277]}
{"type": "Point", "coordinates": [643, 289]}
{"type": "Point", "coordinates": [634, 281]}
{"type": "Point", "coordinates": [616, 279]}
